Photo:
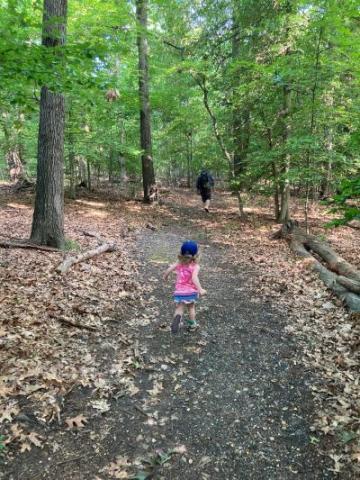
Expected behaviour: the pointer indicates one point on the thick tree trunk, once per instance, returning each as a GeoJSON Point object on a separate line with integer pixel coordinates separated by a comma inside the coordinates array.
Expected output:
{"type": "Point", "coordinates": [145, 112]}
{"type": "Point", "coordinates": [48, 219]}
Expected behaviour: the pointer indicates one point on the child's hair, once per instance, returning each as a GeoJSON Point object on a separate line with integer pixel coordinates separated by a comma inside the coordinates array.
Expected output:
{"type": "Point", "coordinates": [187, 259]}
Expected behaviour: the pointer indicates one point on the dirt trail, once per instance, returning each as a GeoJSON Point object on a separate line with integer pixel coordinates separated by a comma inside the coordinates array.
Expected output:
{"type": "Point", "coordinates": [232, 393]}
{"type": "Point", "coordinates": [244, 404]}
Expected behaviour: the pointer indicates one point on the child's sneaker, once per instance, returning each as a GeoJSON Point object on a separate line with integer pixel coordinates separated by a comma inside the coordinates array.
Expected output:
{"type": "Point", "coordinates": [176, 324]}
{"type": "Point", "coordinates": [192, 325]}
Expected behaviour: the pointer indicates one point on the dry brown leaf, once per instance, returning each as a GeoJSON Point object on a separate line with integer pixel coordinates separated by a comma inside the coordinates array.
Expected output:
{"type": "Point", "coordinates": [35, 439]}
{"type": "Point", "coordinates": [76, 422]}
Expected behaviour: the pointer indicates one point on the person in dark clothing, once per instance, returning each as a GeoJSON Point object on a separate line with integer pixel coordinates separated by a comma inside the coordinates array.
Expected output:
{"type": "Point", "coordinates": [204, 184]}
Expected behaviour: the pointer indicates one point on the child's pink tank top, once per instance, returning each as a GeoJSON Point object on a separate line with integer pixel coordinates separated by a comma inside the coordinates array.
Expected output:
{"type": "Point", "coordinates": [184, 284]}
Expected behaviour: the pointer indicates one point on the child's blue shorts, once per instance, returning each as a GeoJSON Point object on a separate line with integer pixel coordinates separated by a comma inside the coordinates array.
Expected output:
{"type": "Point", "coordinates": [189, 298]}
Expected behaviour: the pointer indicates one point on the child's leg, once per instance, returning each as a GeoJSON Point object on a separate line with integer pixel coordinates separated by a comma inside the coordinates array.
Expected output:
{"type": "Point", "coordinates": [192, 316]}
{"type": "Point", "coordinates": [179, 311]}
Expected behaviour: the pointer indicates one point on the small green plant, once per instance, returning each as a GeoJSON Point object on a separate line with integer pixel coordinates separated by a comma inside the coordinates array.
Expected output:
{"type": "Point", "coordinates": [71, 245]}
{"type": "Point", "coordinates": [2, 445]}
{"type": "Point", "coordinates": [346, 202]}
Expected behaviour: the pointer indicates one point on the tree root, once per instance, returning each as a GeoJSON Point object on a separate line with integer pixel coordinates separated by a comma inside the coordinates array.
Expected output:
{"type": "Point", "coordinates": [17, 243]}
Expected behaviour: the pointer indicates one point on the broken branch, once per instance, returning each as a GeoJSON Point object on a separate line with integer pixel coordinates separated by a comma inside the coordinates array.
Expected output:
{"type": "Point", "coordinates": [69, 262]}
{"type": "Point", "coordinates": [16, 243]}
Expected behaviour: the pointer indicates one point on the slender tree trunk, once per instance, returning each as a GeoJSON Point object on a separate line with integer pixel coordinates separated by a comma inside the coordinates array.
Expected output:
{"type": "Point", "coordinates": [276, 192]}
{"type": "Point", "coordinates": [14, 157]}
{"type": "Point", "coordinates": [189, 157]}
{"type": "Point", "coordinates": [145, 112]}
{"type": "Point", "coordinates": [326, 183]}
{"type": "Point", "coordinates": [241, 117]}
{"type": "Point", "coordinates": [275, 179]}
{"type": "Point", "coordinates": [285, 184]}
{"type": "Point", "coordinates": [48, 219]}
{"type": "Point", "coordinates": [285, 181]}
{"type": "Point", "coordinates": [122, 163]}
{"type": "Point", "coordinates": [88, 169]}
{"type": "Point", "coordinates": [312, 128]}
{"type": "Point", "coordinates": [72, 169]}
{"type": "Point", "coordinates": [201, 81]}
{"type": "Point", "coordinates": [71, 157]}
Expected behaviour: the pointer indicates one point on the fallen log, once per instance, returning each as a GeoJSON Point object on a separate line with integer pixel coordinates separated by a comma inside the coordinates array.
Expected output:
{"type": "Point", "coordinates": [337, 274]}
{"type": "Point", "coordinates": [69, 262]}
{"type": "Point", "coordinates": [17, 243]}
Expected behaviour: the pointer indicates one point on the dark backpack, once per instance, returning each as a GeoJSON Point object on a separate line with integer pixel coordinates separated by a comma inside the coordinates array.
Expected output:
{"type": "Point", "coordinates": [205, 181]}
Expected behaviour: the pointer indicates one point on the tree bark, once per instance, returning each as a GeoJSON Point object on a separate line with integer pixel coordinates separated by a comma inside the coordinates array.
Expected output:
{"type": "Point", "coordinates": [189, 137]}
{"type": "Point", "coordinates": [285, 183]}
{"type": "Point", "coordinates": [48, 218]}
{"type": "Point", "coordinates": [312, 127]}
{"type": "Point", "coordinates": [145, 111]}
{"type": "Point", "coordinates": [72, 164]}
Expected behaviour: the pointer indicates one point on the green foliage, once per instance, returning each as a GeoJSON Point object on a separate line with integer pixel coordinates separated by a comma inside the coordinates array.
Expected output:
{"type": "Point", "coordinates": [247, 53]}
{"type": "Point", "coordinates": [71, 245]}
{"type": "Point", "coordinates": [346, 202]}
{"type": "Point", "coordinates": [2, 445]}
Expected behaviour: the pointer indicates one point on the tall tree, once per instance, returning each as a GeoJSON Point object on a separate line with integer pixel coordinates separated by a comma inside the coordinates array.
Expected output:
{"type": "Point", "coordinates": [145, 111]}
{"type": "Point", "coordinates": [48, 219]}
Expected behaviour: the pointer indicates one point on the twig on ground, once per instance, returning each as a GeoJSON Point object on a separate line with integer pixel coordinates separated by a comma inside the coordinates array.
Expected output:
{"type": "Point", "coordinates": [76, 325]}
{"type": "Point", "coordinates": [18, 243]}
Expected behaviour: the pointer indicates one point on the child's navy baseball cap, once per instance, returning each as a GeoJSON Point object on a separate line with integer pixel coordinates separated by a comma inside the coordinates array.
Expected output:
{"type": "Point", "coordinates": [189, 248]}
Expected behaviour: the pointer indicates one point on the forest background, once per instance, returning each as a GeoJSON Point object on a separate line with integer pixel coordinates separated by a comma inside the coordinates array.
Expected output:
{"type": "Point", "coordinates": [263, 93]}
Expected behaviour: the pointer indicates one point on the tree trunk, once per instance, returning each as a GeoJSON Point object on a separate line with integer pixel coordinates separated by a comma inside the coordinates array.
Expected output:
{"type": "Point", "coordinates": [88, 170]}
{"type": "Point", "coordinates": [312, 127]}
{"type": "Point", "coordinates": [145, 112]}
{"type": "Point", "coordinates": [285, 183]}
{"type": "Point", "coordinates": [15, 164]}
{"type": "Point", "coordinates": [276, 191]}
{"type": "Point", "coordinates": [48, 219]}
{"type": "Point", "coordinates": [241, 117]}
{"type": "Point", "coordinates": [14, 156]}
{"type": "Point", "coordinates": [325, 188]}
{"type": "Point", "coordinates": [72, 164]}
{"type": "Point", "coordinates": [189, 157]}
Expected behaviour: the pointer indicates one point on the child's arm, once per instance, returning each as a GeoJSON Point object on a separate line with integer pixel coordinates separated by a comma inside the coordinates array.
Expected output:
{"type": "Point", "coordinates": [169, 270]}
{"type": "Point", "coordinates": [196, 281]}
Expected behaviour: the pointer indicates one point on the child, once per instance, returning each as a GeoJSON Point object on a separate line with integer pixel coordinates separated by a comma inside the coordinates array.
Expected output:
{"type": "Point", "coordinates": [187, 287]}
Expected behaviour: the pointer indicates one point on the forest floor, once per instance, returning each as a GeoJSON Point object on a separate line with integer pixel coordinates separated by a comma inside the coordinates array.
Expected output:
{"type": "Point", "coordinates": [266, 388]}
